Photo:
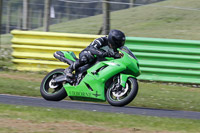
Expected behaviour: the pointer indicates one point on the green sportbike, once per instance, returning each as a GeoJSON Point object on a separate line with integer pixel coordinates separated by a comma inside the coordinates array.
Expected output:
{"type": "Point", "coordinates": [108, 79]}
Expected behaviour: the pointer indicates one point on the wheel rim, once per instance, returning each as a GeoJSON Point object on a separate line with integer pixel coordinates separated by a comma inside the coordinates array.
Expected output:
{"type": "Point", "coordinates": [52, 85]}
{"type": "Point", "coordinates": [51, 88]}
{"type": "Point", "coordinates": [122, 94]}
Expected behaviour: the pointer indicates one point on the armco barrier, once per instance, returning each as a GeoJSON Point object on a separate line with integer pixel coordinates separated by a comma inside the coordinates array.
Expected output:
{"type": "Point", "coordinates": [160, 59]}
{"type": "Point", "coordinates": [167, 59]}
{"type": "Point", "coordinates": [33, 51]}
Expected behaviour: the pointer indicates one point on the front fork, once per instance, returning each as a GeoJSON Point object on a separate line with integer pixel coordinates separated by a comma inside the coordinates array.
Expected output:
{"type": "Point", "coordinates": [121, 82]}
{"type": "Point", "coordinates": [123, 79]}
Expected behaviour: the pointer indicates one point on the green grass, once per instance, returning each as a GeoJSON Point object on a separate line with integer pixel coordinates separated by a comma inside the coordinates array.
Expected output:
{"type": "Point", "coordinates": [5, 56]}
{"type": "Point", "coordinates": [165, 96]}
{"type": "Point", "coordinates": [152, 20]}
{"type": "Point", "coordinates": [104, 121]}
{"type": "Point", "coordinates": [19, 87]}
{"type": "Point", "coordinates": [26, 84]}
{"type": "Point", "coordinates": [5, 40]}
{"type": "Point", "coordinates": [144, 21]}
{"type": "Point", "coordinates": [153, 95]}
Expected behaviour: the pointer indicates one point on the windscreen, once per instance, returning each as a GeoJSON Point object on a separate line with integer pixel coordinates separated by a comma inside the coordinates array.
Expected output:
{"type": "Point", "coordinates": [128, 51]}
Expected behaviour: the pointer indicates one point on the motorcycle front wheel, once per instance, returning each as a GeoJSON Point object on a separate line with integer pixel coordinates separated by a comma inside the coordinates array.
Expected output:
{"type": "Point", "coordinates": [123, 96]}
{"type": "Point", "coordinates": [51, 91]}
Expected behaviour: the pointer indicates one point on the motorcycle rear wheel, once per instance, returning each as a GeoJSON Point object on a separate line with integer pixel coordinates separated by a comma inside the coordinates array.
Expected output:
{"type": "Point", "coordinates": [125, 96]}
{"type": "Point", "coordinates": [50, 91]}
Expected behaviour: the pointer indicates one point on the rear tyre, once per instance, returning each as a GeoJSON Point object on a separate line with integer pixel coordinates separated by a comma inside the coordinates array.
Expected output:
{"type": "Point", "coordinates": [51, 91]}
{"type": "Point", "coordinates": [125, 95]}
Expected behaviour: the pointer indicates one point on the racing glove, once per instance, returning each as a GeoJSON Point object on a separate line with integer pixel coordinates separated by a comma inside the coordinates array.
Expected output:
{"type": "Point", "coordinates": [117, 55]}
{"type": "Point", "coordinates": [108, 54]}
{"type": "Point", "coordinates": [111, 54]}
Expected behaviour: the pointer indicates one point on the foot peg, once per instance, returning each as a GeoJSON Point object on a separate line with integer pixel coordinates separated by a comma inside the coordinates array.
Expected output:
{"type": "Point", "coordinates": [69, 80]}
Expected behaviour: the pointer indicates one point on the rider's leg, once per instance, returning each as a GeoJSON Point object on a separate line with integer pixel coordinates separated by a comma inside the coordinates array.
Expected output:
{"type": "Point", "coordinates": [85, 57]}
{"type": "Point", "coordinates": [68, 71]}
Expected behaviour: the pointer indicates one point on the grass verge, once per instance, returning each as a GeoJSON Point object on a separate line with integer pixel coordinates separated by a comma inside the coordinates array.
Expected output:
{"type": "Point", "coordinates": [154, 95]}
{"type": "Point", "coordinates": [168, 19]}
{"type": "Point", "coordinates": [5, 40]}
{"type": "Point", "coordinates": [36, 119]}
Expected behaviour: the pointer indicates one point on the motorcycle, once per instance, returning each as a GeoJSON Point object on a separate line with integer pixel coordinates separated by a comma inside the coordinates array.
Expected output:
{"type": "Point", "coordinates": [106, 78]}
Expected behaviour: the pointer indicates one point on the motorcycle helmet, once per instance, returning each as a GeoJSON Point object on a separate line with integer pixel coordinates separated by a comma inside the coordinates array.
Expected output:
{"type": "Point", "coordinates": [116, 39]}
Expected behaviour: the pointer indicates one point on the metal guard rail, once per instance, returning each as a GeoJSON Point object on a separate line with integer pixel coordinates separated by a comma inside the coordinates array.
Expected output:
{"type": "Point", "coordinates": [168, 60]}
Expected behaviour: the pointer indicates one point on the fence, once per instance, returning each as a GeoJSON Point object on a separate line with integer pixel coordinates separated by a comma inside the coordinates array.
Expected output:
{"type": "Point", "coordinates": [32, 14]}
{"type": "Point", "coordinates": [160, 59]}
{"type": "Point", "coordinates": [169, 17]}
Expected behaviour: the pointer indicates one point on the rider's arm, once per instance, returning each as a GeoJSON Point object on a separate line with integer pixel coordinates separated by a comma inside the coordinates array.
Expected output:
{"type": "Point", "coordinates": [99, 42]}
{"type": "Point", "coordinates": [96, 45]}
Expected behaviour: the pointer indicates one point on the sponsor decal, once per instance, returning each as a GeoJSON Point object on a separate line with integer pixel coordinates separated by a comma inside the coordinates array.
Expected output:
{"type": "Point", "coordinates": [76, 93]}
{"type": "Point", "coordinates": [96, 94]}
{"type": "Point", "coordinates": [83, 94]}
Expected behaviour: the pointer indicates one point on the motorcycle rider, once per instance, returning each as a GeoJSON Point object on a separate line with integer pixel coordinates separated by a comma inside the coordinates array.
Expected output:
{"type": "Point", "coordinates": [100, 47]}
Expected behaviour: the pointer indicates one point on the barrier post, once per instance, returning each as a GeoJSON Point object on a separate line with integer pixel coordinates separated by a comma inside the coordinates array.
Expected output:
{"type": "Point", "coordinates": [25, 14]}
{"type": "Point", "coordinates": [106, 17]}
{"type": "Point", "coordinates": [46, 15]}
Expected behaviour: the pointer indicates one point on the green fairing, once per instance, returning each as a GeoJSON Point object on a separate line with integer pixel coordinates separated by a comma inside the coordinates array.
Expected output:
{"type": "Point", "coordinates": [69, 55]}
{"type": "Point", "coordinates": [123, 79]}
{"type": "Point", "coordinates": [93, 85]}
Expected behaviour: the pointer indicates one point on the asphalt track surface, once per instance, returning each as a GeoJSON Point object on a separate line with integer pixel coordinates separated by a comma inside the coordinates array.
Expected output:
{"type": "Point", "coordinates": [74, 105]}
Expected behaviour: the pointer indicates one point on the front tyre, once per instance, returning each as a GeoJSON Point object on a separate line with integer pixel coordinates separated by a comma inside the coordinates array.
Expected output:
{"type": "Point", "coordinates": [122, 97]}
{"type": "Point", "coordinates": [51, 91]}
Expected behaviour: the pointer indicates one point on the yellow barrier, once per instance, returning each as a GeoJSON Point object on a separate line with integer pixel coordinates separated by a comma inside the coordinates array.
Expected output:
{"type": "Point", "coordinates": [33, 50]}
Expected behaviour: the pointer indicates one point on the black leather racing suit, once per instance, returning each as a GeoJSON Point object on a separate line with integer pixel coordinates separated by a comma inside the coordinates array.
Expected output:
{"type": "Point", "coordinates": [98, 48]}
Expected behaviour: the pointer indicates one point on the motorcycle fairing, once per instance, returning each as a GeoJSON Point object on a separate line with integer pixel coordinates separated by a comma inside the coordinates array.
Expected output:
{"type": "Point", "coordinates": [69, 55]}
{"type": "Point", "coordinates": [93, 84]}
{"type": "Point", "coordinates": [123, 79]}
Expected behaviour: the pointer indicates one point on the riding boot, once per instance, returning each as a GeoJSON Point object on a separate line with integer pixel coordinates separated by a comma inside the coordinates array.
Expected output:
{"type": "Point", "coordinates": [68, 71]}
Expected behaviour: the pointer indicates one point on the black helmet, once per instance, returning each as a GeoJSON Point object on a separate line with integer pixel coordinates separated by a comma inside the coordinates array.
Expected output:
{"type": "Point", "coordinates": [116, 38]}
